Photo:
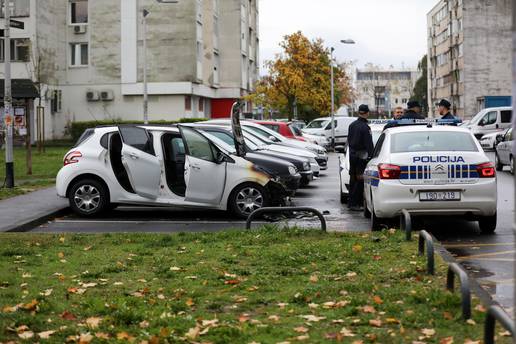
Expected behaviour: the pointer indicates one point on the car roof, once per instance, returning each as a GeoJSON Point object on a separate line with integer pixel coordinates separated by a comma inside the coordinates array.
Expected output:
{"type": "Point", "coordinates": [419, 128]}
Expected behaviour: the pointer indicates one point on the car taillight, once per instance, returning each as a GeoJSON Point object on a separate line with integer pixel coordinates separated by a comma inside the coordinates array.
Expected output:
{"type": "Point", "coordinates": [486, 170]}
{"type": "Point", "coordinates": [388, 171]}
{"type": "Point", "coordinates": [72, 158]}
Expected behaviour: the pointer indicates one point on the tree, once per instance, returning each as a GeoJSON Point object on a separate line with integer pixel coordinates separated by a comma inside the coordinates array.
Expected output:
{"type": "Point", "coordinates": [420, 92]}
{"type": "Point", "coordinates": [299, 79]}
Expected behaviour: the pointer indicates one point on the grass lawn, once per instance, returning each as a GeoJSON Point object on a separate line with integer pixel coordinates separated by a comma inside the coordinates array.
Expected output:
{"type": "Point", "coordinates": [44, 170]}
{"type": "Point", "coordinates": [264, 286]}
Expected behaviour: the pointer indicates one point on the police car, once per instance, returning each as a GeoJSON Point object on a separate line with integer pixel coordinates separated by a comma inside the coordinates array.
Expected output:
{"type": "Point", "coordinates": [430, 170]}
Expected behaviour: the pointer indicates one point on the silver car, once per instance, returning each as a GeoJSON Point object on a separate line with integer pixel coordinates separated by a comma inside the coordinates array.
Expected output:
{"type": "Point", "coordinates": [504, 152]}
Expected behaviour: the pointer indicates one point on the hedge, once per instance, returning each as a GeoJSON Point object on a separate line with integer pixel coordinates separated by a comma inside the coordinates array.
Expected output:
{"type": "Point", "coordinates": [77, 128]}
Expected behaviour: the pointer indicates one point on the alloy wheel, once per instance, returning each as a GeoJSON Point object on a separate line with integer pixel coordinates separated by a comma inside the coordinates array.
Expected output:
{"type": "Point", "coordinates": [249, 199]}
{"type": "Point", "coordinates": [87, 198]}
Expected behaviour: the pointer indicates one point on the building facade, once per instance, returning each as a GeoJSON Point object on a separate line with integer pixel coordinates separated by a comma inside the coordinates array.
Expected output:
{"type": "Point", "coordinates": [85, 57]}
{"type": "Point", "coordinates": [384, 89]}
{"type": "Point", "coordinates": [469, 55]}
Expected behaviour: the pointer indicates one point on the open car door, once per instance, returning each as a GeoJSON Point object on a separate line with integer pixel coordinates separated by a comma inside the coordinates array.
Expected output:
{"type": "Point", "coordinates": [140, 161]}
{"type": "Point", "coordinates": [205, 171]}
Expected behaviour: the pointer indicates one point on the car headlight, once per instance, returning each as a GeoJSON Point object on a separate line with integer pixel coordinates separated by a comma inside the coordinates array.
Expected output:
{"type": "Point", "coordinates": [306, 166]}
{"type": "Point", "coordinates": [292, 170]}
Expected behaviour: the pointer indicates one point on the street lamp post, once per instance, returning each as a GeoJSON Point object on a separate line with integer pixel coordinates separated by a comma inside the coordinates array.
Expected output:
{"type": "Point", "coordinates": [145, 13]}
{"type": "Point", "coordinates": [9, 159]}
{"type": "Point", "coordinates": [343, 41]}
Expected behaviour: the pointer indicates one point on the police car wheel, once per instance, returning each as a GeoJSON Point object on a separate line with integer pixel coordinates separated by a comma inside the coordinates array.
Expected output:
{"type": "Point", "coordinates": [247, 198]}
{"type": "Point", "coordinates": [376, 222]}
{"type": "Point", "coordinates": [487, 224]}
{"type": "Point", "coordinates": [499, 165]}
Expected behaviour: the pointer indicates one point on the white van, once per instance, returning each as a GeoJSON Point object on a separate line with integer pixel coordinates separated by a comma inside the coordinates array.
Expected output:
{"type": "Point", "coordinates": [322, 127]}
{"type": "Point", "coordinates": [490, 120]}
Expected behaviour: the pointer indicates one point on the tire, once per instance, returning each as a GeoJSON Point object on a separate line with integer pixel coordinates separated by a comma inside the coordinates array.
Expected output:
{"type": "Point", "coordinates": [88, 197]}
{"type": "Point", "coordinates": [247, 198]}
{"type": "Point", "coordinates": [376, 222]}
{"type": "Point", "coordinates": [487, 224]}
{"type": "Point", "coordinates": [367, 213]}
{"type": "Point", "coordinates": [499, 165]}
{"type": "Point", "coordinates": [511, 165]}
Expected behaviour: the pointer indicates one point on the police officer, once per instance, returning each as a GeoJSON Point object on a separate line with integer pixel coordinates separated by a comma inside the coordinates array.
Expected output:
{"type": "Point", "coordinates": [360, 142]}
{"type": "Point", "coordinates": [414, 111]}
{"type": "Point", "coordinates": [444, 109]}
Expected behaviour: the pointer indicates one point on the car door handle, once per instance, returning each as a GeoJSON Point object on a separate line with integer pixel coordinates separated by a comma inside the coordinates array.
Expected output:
{"type": "Point", "coordinates": [195, 167]}
{"type": "Point", "coordinates": [134, 156]}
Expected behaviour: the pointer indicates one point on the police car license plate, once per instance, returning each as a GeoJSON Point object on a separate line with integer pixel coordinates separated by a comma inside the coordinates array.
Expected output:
{"type": "Point", "coordinates": [432, 196]}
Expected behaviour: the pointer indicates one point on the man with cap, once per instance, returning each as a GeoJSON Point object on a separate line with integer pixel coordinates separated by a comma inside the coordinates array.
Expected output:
{"type": "Point", "coordinates": [414, 110]}
{"type": "Point", "coordinates": [444, 109]}
{"type": "Point", "coordinates": [360, 143]}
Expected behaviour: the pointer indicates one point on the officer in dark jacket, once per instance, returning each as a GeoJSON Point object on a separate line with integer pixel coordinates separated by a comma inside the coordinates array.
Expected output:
{"type": "Point", "coordinates": [360, 142]}
{"type": "Point", "coordinates": [444, 109]}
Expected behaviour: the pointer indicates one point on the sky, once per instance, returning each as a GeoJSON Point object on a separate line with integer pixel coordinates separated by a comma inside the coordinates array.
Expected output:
{"type": "Point", "coordinates": [386, 32]}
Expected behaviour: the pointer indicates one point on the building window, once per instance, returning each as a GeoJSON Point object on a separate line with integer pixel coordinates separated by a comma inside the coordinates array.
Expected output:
{"type": "Point", "coordinates": [201, 104]}
{"type": "Point", "coordinates": [57, 101]}
{"type": "Point", "coordinates": [78, 54]}
{"type": "Point", "coordinates": [19, 50]}
{"type": "Point", "coordinates": [216, 67]}
{"type": "Point", "coordinates": [188, 103]}
{"type": "Point", "coordinates": [78, 12]}
{"type": "Point", "coordinates": [19, 8]}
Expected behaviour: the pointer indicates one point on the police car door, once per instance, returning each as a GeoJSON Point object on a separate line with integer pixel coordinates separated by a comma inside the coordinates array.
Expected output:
{"type": "Point", "coordinates": [205, 177]}
{"type": "Point", "coordinates": [140, 161]}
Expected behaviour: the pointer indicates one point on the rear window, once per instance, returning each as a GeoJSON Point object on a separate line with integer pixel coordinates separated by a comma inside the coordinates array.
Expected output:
{"type": "Point", "coordinates": [434, 141]}
{"type": "Point", "coordinates": [85, 135]}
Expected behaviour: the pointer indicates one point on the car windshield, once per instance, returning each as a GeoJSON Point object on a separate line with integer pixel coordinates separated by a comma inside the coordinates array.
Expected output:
{"type": "Point", "coordinates": [477, 117]}
{"type": "Point", "coordinates": [265, 132]}
{"type": "Point", "coordinates": [376, 135]}
{"type": "Point", "coordinates": [318, 124]}
{"type": "Point", "coordinates": [295, 130]}
{"type": "Point", "coordinates": [432, 141]}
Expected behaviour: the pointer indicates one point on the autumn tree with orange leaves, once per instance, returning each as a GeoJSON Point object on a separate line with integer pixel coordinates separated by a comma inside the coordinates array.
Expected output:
{"type": "Point", "coordinates": [301, 74]}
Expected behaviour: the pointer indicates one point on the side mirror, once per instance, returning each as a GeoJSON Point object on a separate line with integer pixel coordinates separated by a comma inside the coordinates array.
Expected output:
{"type": "Point", "coordinates": [220, 158]}
{"type": "Point", "coordinates": [273, 139]}
{"type": "Point", "coordinates": [499, 138]}
{"type": "Point", "coordinates": [340, 149]}
{"type": "Point", "coordinates": [481, 123]}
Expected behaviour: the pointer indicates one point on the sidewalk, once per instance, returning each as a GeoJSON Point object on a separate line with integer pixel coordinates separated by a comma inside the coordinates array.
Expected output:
{"type": "Point", "coordinates": [21, 211]}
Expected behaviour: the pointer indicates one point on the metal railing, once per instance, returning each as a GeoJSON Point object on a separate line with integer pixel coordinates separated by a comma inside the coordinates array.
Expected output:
{"type": "Point", "coordinates": [426, 239]}
{"type": "Point", "coordinates": [495, 313]}
{"type": "Point", "coordinates": [455, 269]}
{"type": "Point", "coordinates": [406, 224]}
{"type": "Point", "coordinates": [278, 210]}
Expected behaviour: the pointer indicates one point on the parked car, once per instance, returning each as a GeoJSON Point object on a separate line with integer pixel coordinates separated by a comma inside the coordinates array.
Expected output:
{"type": "Point", "coordinates": [173, 166]}
{"type": "Point", "coordinates": [254, 153]}
{"type": "Point", "coordinates": [322, 127]}
{"type": "Point", "coordinates": [318, 140]}
{"type": "Point", "coordinates": [283, 128]}
{"type": "Point", "coordinates": [490, 120]}
{"type": "Point", "coordinates": [489, 141]}
{"type": "Point", "coordinates": [271, 135]}
{"type": "Point", "coordinates": [504, 155]}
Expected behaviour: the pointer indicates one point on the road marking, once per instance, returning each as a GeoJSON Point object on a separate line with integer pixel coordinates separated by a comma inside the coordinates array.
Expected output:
{"type": "Point", "coordinates": [485, 255]}
{"type": "Point", "coordinates": [475, 245]}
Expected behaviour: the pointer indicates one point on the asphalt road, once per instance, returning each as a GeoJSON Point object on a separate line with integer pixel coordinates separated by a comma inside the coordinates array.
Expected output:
{"type": "Point", "coordinates": [490, 258]}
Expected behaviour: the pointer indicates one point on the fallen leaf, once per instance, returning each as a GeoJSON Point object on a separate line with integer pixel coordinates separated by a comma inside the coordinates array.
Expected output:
{"type": "Point", "coordinates": [447, 340]}
{"type": "Point", "coordinates": [301, 329]}
{"type": "Point", "coordinates": [68, 316]}
{"type": "Point", "coordinates": [274, 318]}
{"type": "Point", "coordinates": [61, 239]}
{"type": "Point", "coordinates": [312, 318]}
{"type": "Point", "coordinates": [314, 278]}
{"type": "Point", "coordinates": [505, 334]}
{"type": "Point", "coordinates": [378, 300]}
{"type": "Point", "coordinates": [447, 316]}
{"type": "Point", "coordinates": [164, 332]}
{"type": "Point", "coordinates": [93, 322]}
{"type": "Point", "coordinates": [357, 248]}
{"type": "Point", "coordinates": [351, 274]}
{"type": "Point", "coordinates": [31, 306]}
{"type": "Point", "coordinates": [193, 333]}
{"type": "Point", "coordinates": [303, 337]}
{"type": "Point", "coordinates": [375, 322]}
{"type": "Point", "coordinates": [471, 322]}
{"type": "Point", "coordinates": [313, 305]}
{"type": "Point", "coordinates": [61, 255]}
{"type": "Point", "coordinates": [124, 336]}
{"type": "Point", "coordinates": [189, 302]}
{"type": "Point", "coordinates": [89, 285]}
{"type": "Point", "coordinates": [282, 305]}
{"type": "Point", "coordinates": [392, 321]}
{"type": "Point", "coordinates": [26, 335]}
{"type": "Point", "coordinates": [232, 282]}
{"type": "Point", "coordinates": [10, 309]}
{"type": "Point", "coordinates": [87, 248]}
{"type": "Point", "coordinates": [46, 292]}
{"type": "Point", "coordinates": [469, 341]}
{"type": "Point", "coordinates": [175, 268]}
{"type": "Point", "coordinates": [368, 309]}
{"type": "Point", "coordinates": [346, 333]}
{"type": "Point", "coordinates": [102, 335]}
{"type": "Point", "coordinates": [428, 332]}
{"type": "Point", "coordinates": [45, 334]}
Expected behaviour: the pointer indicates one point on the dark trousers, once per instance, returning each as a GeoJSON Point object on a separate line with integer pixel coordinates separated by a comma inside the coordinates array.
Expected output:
{"type": "Point", "coordinates": [356, 181]}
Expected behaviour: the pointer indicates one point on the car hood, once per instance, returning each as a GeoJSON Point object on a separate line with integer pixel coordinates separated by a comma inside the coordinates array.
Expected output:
{"type": "Point", "coordinates": [271, 164]}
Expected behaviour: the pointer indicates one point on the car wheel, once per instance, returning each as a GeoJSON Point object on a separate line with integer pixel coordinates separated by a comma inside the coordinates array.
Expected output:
{"type": "Point", "coordinates": [499, 165]}
{"type": "Point", "coordinates": [376, 222]}
{"type": "Point", "coordinates": [247, 198]}
{"type": "Point", "coordinates": [487, 224]}
{"type": "Point", "coordinates": [88, 197]}
{"type": "Point", "coordinates": [511, 164]}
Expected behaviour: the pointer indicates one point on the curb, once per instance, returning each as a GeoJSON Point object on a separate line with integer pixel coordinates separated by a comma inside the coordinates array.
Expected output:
{"type": "Point", "coordinates": [30, 224]}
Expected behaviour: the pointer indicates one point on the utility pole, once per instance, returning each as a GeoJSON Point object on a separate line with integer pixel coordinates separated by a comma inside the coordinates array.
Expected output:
{"type": "Point", "coordinates": [332, 101]}
{"type": "Point", "coordinates": [514, 104]}
{"type": "Point", "coordinates": [144, 58]}
{"type": "Point", "coordinates": [9, 163]}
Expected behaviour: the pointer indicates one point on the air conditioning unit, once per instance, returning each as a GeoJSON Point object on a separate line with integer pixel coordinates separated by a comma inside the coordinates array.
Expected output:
{"type": "Point", "coordinates": [92, 96]}
{"type": "Point", "coordinates": [80, 29]}
{"type": "Point", "coordinates": [107, 95]}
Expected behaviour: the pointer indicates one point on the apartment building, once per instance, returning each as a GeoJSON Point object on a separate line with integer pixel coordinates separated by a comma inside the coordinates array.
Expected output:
{"type": "Point", "coordinates": [384, 89]}
{"type": "Point", "coordinates": [469, 55]}
{"type": "Point", "coordinates": [85, 58]}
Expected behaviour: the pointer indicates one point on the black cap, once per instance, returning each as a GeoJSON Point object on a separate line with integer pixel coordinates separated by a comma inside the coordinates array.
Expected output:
{"type": "Point", "coordinates": [363, 108]}
{"type": "Point", "coordinates": [445, 103]}
{"type": "Point", "coordinates": [413, 104]}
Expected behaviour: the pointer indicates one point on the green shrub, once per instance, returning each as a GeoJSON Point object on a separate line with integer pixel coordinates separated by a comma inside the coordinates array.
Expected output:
{"type": "Point", "coordinates": [77, 128]}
